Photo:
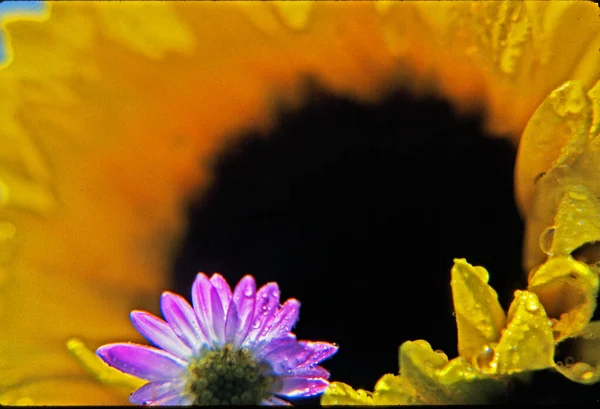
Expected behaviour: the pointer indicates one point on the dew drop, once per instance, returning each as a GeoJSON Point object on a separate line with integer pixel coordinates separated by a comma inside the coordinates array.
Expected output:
{"type": "Point", "coordinates": [577, 195]}
{"type": "Point", "coordinates": [256, 324]}
{"type": "Point", "coordinates": [546, 239]}
{"type": "Point", "coordinates": [569, 361]}
{"type": "Point", "coordinates": [248, 292]}
{"type": "Point", "coordinates": [532, 306]}
{"type": "Point", "coordinates": [484, 359]}
{"type": "Point", "coordinates": [586, 376]}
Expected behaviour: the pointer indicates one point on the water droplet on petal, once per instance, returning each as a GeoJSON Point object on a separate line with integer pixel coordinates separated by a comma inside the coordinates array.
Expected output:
{"type": "Point", "coordinates": [586, 376]}
{"type": "Point", "coordinates": [546, 239]}
{"type": "Point", "coordinates": [569, 361]}
{"type": "Point", "coordinates": [256, 324]}
{"type": "Point", "coordinates": [577, 195]}
{"type": "Point", "coordinates": [532, 306]}
{"type": "Point", "coordinates": [484, 360]}
{"type": "Point", "coordinates": [248, 292]}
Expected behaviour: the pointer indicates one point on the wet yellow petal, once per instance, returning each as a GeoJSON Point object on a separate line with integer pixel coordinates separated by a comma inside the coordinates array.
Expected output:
{"type": "Point", "coordinates": [557, 166]}
{"type": "Point", "coordinates": [556, 132]}
{"type": "Point", "coordinates": [583, 362]}
{"type": "Point", "coordinates": [339, 393]}
{"type": "Point", "coordinates": [527, 342]}
{"type": "Point", "coordinates": [395, 390]}
{"type": "Point", "coordinates": [479, 316]}
{"type": "Point", "coordinates": [499, 54]}
{"type": "Point", "coordinates": [567, 289]}
{"type": "Point", "coordinates": [439, 381]}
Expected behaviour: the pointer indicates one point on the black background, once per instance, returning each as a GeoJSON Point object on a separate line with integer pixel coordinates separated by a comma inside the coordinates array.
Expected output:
{"type": "Point", "coordinates": [358, 210]}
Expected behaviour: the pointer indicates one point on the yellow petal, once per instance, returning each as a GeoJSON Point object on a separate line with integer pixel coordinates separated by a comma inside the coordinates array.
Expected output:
{"type": "Point", "coordinates": [104, 373]}
{"type": "Point", "coordinates": [339, 393]}
{"type": "Point", "coordinates": [557, 131]}
{"type": "Point", "coordinates": [395, 390]}
{"type": "Point", "coordinates": [505, 50]}
{"type": "Point", "coordinates": [439, 381]}
{"type": "Point", "coordinates": [527, 342]}
{"type": "Point", "coordinates": [479, 316]}
{"type": "Point", "coordinates": [567, 289]}
{"type": "Point", "coordinates": [558, 155]}
{"type": "Point", "coordinates": [580, 360]}
{"type": "Point", "coordinates": [89, 220]}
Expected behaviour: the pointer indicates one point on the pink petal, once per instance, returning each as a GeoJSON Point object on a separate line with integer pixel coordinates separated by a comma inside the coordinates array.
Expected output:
{"type": "Point", "coordinates": [267, 303]}
{"type": "Point", "coordinates": [240, 320]}
{"type": "Point", "coordinates": [208, 308]}
{"type": "Point", "coordinates": [321, 351]}
{"type": "Point", "coordinates": [275, 401]}
{"type": "Point", "coordinates": [152, 391]}
{"type": "Point", "coordinates": [268, 347]}
{"type": "Point", "coordinates": [223, 289]}
{"type": "Point", "coordinates": [300, 386]}
{"type": "Point", "coordinates": [284, 320]}
{"type": "Point", "coordinates": [310, 372]}
{"type": "Point", "coordinates": [159, 333]}
{"type": "Point", "coordinates": [142, 361]}
{"type": "Point", "coordinates": [287, 357]}
{"type": "Point", "coordinates": [181, 318]}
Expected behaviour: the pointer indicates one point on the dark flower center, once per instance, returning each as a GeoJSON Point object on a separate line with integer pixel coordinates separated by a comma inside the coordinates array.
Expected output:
{"type": "Point", "coordinates": [229, 376]}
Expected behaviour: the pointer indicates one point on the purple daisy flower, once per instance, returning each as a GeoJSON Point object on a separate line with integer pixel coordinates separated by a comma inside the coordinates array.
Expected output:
{"type": "Point", "coordinates": [230, 348]}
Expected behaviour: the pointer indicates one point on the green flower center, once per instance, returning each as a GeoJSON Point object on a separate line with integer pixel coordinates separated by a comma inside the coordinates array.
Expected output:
{"type": "Point", "coordinates": [229, 376]}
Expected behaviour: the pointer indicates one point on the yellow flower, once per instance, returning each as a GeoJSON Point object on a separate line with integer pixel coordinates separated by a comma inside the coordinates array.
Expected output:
{"type": "Point", "coordinates": [492, 345]}
{"type": "Point", "coordinates": [81, 203]}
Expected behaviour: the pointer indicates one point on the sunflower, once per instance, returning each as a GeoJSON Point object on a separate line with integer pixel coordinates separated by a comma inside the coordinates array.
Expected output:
{"type": "Point", "coordinates": [108, 108]}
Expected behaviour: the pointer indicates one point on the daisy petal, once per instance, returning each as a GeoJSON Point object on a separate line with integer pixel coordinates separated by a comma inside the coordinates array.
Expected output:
{"type": "Point", "coordinates": [267, 301]}
{"type": "Point", "coordinates": [284, 320]}
{"type": "Point", "coordinates": [275, 401]}
{"type": "Point", "coordinates": [159, 333]}
{"type": "Point", "coordinates": [174, 398]}
{"type": "Point", "coordinates": [152, 391]}
{"type": "Point", "coordinates": [181, 318]}
{"type": "Point", "coordinates": [298, 386]}
{"type": "Point", "coordinates": [321, 351]}
{"type": "Point", "coordinates": [142, 361]}
{"type": "Point", "coordinates": [208, 308]}
{"type": "Point", "coordinates": [244, 297]}
{"type": "Point", "coordinates": [310, 372]}
{"type": "Point", "coordinates": [271, 346]}
{"type": "Point", "coordinates": [288, 357]}
{"type": "Point", "coordinates": [223, 289]}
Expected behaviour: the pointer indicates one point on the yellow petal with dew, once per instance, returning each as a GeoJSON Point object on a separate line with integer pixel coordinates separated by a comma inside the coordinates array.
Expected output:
{"type": "Point", "coordinates": [395, 390]}
{"type": "Point", "coordinates": [576, 229]}
{"type": "Point", "coordinates": [556, 132]}
{"type": "Point", "coordinates": [579, 356]}
{"type": "Point", "coordinates": [479, 316]}
{"type": "Point", "coordinates": [439, 381]}
{"type": "Point", "coordinates": [499, 55]}
{"type": "Point", "coordinates": [527, 342]}
{"type": "Point", "coordinates": [567, 289]}
{"type": "Point", "coordinates": [339, 393]}
{"type": "Point", "coordinates": [558, 155]}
